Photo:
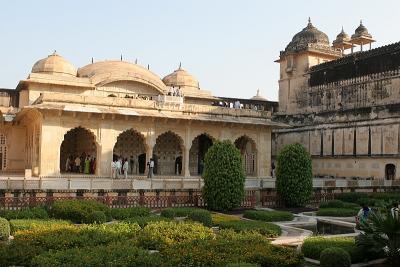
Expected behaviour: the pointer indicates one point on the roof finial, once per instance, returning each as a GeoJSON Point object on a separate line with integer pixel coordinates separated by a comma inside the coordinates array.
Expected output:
{"type": "Point", "coordinates": [309, 19]}
{"type": "Point", "coordinates": [180, 65]}
{"type": "Point", "coordinates": [361, 22]}
{"type": "Point", "coordinates": [121, 57]}
{"type": "Point", "coordinates": [148, 66]}
{"type": "Point", "coordinates": [136, 61]}
{"type": "Point", "coordinates": [55, 52]}
{"type": "Point", "coordinates": [258, 92]}
{"type": "Point", "coordinates": [92, 60]}
{"type": "Point", "coordinates": [342, 29]}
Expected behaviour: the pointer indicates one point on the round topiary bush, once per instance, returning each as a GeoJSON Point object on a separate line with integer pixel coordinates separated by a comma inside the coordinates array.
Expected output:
{"type": "Point", "coordinates": [335, 257]}
{"type": "Point", "coordinates": [4, 229]}
{"type": "Point", "coordinates": [294, 175]}
{"type": "Point", "coordinates": [96, 217]}
{"type": "Point", "coordinates": [223, 177]}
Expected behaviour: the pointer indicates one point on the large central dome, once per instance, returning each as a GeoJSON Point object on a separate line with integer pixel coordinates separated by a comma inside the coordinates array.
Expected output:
{"type": "Point", "coordinates": [309, 35]}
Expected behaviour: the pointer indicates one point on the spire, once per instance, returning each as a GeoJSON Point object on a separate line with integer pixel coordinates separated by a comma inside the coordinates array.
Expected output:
{"type": "Point", "coordinates": [121, 57]}
{"type": "Point", "coordinates": [180, 65]}
{"type": "Point", "coordinates": [258, 92]}
{"type": "Point", "coordinates": [342, 29]}
{"type": "Point", "coordinates": [148, 66]}
{"type": "Point", "coordinates": [92, 60]}
{"type": "Point", "coordinates": [361, 22]}
{"type": "Point", "coordinates": [136, 61]}
{"type": "Point", "coordinates": [309, 20]}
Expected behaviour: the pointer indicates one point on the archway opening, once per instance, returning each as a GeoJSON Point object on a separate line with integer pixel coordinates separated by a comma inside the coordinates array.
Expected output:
{"type": "Point", "coordinates": [167, 154]}
{"type": "Point", "coordinates": [390, 171]}
{"type": "Point", "coordinates": [198, 150]}
{"type": "Point", "coordinates": [78, 152]}
{"type": "Point", "coordinates": [248, 150]}
{"type": "Point", "coordinates": [131, 146]}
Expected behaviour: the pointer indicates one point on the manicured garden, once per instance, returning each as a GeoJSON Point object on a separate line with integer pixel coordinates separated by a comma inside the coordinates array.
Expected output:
{"type": "Point", "coordinates": [74, 233]}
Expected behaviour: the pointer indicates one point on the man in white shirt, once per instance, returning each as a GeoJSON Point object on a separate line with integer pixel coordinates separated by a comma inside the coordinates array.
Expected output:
{"type": "Point", "coordinates": [151, 167]}
{"type": "Point", "coordinates": [77, 163]}
{"type": "Point", "coordinates": [119, 167]}
{"type": "Point", "coordinates": [126, 168]}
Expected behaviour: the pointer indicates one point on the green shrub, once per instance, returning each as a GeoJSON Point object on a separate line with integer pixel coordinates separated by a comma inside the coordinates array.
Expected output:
{"type": "Point", "coordinates": [337, 257]}
{"type": "Point", "coordinates": [202, 216]}
{"type": "Point", "coordinates": [177, 212]}
{"type": "Point", "coordinates": [78, 210]}
{"type": "Point", "coordinates": [264, 228]}
{"type": "Point", "coordinates": [351, 197]}
{"type": "Point", "coordinates": [96, 217]}
{"type": "Point", "coordinates": [223, 177]}
{"type": "Point", "coordinates": [268, 216]}
{"type": "Point", "coordinates": [220, 252]}
{"type": "Point", "coordinates": [116, 254]}
{"type": "Point", "coordinates": [143, 221]}
{"type": "Point", "coordinates": [294, 175]}
{"type": "Point", "coordinates": [337, 212]}
{"type": "Point", "coordinates": [29, 224]}
{"type": "Point", "coordinates": [30, 243]}
{"type": "Point", "coordinates": [367, 201]}
{"type": "Point", "coordinates": [125, 213]}
{"type": "Point", "coordinates": [313, 246]}
{"type": "Point", "coordinates": [28, 213]}
{"type": "Point", "coordinates": [219, 217]}
{"type": "Point", "coordinates": [243, 264]}
{"type": "Point", "coordinates": [4, 229]}
{"type": "Point", "coordinates": [159, 235]}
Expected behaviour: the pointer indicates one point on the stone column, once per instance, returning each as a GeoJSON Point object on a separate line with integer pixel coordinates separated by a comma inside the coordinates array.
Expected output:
{"type": "Point", "coordinates": [186, 170]}
{"type": "Point", "coordinates": [150, 143]}
{"type": "Point", "coordinates": [106, 147]}
{"type": "Point", "coordinates": [50, 142]}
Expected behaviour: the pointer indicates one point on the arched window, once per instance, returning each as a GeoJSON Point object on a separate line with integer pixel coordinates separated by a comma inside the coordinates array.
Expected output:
{"type": "Point", "coordinates": [248, 150]}
{"type": "Point", "coordinates": [167, 154]}
{"type": "Point", "coordinates": [390, 171]}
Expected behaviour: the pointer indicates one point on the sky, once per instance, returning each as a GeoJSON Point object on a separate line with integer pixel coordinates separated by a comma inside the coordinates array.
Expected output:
{"type": "Point", "coordinates": [228, 45]}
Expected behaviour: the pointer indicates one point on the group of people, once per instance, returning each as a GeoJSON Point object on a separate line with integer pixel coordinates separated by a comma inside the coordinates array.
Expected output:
{"type": "Point", "coordinates": [122, 166]}
{"type": "Point", "coordinates": [85, 164]}
{"type": "Point", "coordinates": [365, 211]}
{"type": "Point", "coordinates": [175, 92]}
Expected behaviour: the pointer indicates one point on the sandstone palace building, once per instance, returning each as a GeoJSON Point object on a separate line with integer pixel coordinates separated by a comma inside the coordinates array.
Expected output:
{"type": "Point", "coordinates": [341, 100]}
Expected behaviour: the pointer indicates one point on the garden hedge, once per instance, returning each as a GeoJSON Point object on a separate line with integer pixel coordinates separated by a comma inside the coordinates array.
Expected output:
{"type": "Point", "coordinates": [294, 175]}
{"type": "Point", "coordinates": [223, 177]}
{"type": "Point", "coordinates": [313, 246]}
{"type": "Point", "coordinates": [337, 212]}
{"type": "Point", "coordinates": [339, 204]}
{"type": "Point", "coordinates": [264, 228]}
{"type": "Point", "coordinates": [126, 213]}
{"type": "Point", "coordinates": [33, 224]}
{"type": "Point", "coordinates": [336, 257]}
{"type": "Point", "coordinates": [27, 213]}
{"type": "Point", "coordinates": [143, 221]}
{"type": "Point", "coordinates": [78, 211]}
{"type": "Point", "coordinates": [115, 254]}
{"type": "Point", "coordinates": [220, 252]}
{"type": "Point", "coordinates": [4, 229]}
{"type": "Point", "coordinates": [158, 235]}
{"type": "Point", "coordinates": [268, 216]}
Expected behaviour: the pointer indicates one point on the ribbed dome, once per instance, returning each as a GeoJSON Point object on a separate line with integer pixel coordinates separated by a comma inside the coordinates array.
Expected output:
{"type": "Point", "coordinates": [103, 72]}
{"type": "Point", "coordinates": [342, 37]}
{"type": "Point", "coordinates": [309, 35]}
{"type": "Point", "coordinates": [181, 78]}
{"type": "Point", "coordinates": [258, 97]}
{"type": "Point", "coordinates": [54, 64]}
{"type": "Point", "coordinates": [361, 31]}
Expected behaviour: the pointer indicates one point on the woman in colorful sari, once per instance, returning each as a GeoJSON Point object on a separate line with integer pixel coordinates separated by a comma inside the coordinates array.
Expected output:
{"type": "Point", "coordinates": [87, 165]}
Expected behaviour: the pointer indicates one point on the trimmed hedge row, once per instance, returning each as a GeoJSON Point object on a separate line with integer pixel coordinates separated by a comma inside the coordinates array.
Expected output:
{"type": "Point", "coordinates": [143, 221]}
{"type": "Point", "coordinates": [29, 224]}
{"type": "Point", "coordinates": [115, 254]}
{"type": "Point", "coordinates": [28, 213]}
{"type": "Point", "coordinates": [4, 229]}
{"type": "Point", "coordinates": [337, 212]}
{"type": "Point", "coordinates": [220, 217]}
{"type": "Point", "coordinates": [264, 228]}
{"type": "Point", "coordinates": [358, 197]}
{"type": "Point", "coordinates": [80, 211]}
{"type": "Point", "coordinates": [163, 234]}
{"type": "Point", "coordinates": [220, 252]}
{"type": "Point", "coordinates": [126, 213]}
{"type": "Point", "coordinates": [313, 246]}
{"type": "Point", "coordinates": [268, 216]}
{"type": "Point", "coordinates": [339, 204]}
{"type": "Point", "coordinates": [194, 214]}
{"type": "Point", "coordinates": [29, 243]}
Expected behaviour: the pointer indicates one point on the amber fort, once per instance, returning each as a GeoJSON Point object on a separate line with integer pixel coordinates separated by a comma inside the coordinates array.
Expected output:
{"type": "Point", "coordinates": [339, 98]}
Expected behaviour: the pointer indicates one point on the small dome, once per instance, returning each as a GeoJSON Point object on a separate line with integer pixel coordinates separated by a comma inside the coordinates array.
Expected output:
{"type": "Point", "coordinates": [54, 64]}
{"type": "Point", "coordinates": [342, 37]}
{"type": "Point", "coordinates": [258, 97]}
{"type": "Point", "coordinates": [361, 31]}
{"type": "Point", "coordinates": [181, 78]}
{"type": "Point", "coordinates": [309, 35]}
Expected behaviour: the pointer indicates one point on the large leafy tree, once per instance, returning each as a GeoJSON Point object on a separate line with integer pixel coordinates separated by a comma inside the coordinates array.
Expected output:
{"type": "Point", "coordinates": [294, 175]}
{"type": "Point", "coordinates": [223, 177]}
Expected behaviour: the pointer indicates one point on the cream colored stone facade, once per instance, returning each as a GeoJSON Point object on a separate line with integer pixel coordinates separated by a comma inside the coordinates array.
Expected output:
{"type": "Point", "coordinates": [118, 109]}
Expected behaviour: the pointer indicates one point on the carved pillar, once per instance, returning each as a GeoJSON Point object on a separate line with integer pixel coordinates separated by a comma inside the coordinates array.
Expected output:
{"type": "Point", "coordinates": [105, 149]}
{"type": "Point", "coordinates": [150, 143]}
{"type": "Point", "coordinates": [186, 171]}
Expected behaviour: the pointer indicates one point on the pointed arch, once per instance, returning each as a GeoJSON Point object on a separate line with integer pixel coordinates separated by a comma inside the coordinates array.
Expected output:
{"type": "Point", "coordinates": [199, 147]}
{"type": "Point", "coordinates": [167, 154]}
{"type": "Point", "coordinates": [131, 146]}
{"type": "Point", "coordinates": [248, 149]}
{"type": "Point", "coordinates": [81, 143]}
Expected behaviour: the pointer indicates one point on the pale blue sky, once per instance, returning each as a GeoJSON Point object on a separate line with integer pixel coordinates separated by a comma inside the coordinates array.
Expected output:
{"type": "Point", "coordinates": [229, 45]}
